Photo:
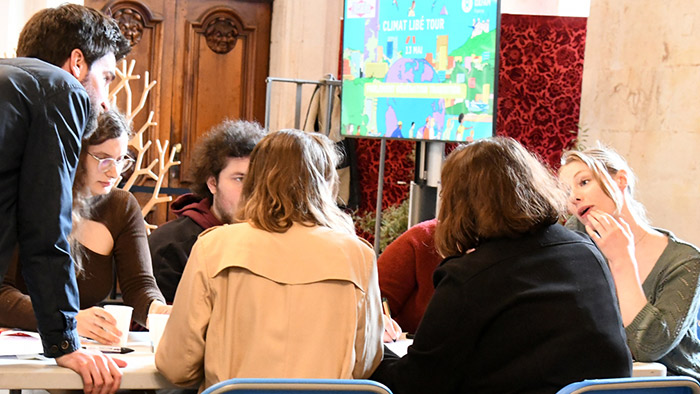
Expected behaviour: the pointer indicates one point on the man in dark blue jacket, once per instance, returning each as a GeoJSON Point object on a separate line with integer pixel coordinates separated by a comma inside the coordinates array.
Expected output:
{"type": "Point", "coordinates": [49, 99]}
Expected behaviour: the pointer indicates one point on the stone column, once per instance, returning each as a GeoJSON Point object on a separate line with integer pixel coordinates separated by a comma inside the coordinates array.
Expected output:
{"type": "Point", "coordinates": [305, 44]}
{"type": "Point", "coordinates": [641, 84]}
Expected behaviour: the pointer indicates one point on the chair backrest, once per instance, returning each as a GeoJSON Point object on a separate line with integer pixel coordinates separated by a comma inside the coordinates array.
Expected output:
{"type": "Point", "coordinates": [640, 385]}
{"type": "Point", "coordinates": [297, 386]}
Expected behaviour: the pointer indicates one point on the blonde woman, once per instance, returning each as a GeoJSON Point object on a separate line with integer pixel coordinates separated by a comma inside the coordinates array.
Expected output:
{"type": "Point", "coordinates": [288, 292]}
{"type": "Point", "coordinates": [655, 273]}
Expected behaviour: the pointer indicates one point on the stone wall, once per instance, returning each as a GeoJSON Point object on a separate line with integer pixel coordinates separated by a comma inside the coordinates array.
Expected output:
{"type": "Point", "coordinates": [641, 80]}
{"type": "Point", "coordinates": [305, 44]}
{"type": "Point", "coordinates": [13, 17]}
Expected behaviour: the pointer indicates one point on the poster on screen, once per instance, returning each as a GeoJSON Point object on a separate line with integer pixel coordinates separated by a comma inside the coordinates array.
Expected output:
{"type": "Point", "coordinates": [421, 70]}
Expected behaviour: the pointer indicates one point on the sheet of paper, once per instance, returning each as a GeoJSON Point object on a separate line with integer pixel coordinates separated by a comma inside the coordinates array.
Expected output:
{"type": "Point", "coordinates": [20, 343]}
{"type": "Point", "coordinates": [400, 347]}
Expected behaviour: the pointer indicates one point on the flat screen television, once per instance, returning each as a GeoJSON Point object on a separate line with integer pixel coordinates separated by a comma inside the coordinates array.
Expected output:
{"type": "Point", "coordinates": [420, 70]}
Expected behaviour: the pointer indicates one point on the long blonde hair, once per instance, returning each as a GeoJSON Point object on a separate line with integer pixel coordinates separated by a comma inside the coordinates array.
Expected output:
{"type": "Point", "coordinates": [604, 164]}
{"type": "Point", "coordinates": [292, 179]}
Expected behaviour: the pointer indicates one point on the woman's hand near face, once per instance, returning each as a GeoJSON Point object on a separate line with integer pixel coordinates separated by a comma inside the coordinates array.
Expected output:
{"type": "Point", "coordinates": [615, 239]}
{"type": "Point", "coordinates": [98, 324]}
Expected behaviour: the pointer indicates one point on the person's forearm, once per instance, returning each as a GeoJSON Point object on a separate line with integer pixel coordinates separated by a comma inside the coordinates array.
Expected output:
{"type": "Point", "coordinates": [44, 215]}
{"type": "Point", "coordinates": [630, 294]}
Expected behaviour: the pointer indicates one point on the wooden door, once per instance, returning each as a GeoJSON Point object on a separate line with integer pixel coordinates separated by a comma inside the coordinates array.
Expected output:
{"type": "Point", "coordinates": [209, 58]}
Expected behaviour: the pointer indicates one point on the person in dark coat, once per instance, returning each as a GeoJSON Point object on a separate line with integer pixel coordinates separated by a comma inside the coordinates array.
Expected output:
{"type": "Point", "coordinates": [521, 304]}
{"type": "Point", "coordinates": [50, 96]}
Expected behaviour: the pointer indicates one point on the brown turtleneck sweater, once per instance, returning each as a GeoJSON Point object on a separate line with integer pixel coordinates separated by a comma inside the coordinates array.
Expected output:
{"type": "Point", "coordinates": [120, 213]}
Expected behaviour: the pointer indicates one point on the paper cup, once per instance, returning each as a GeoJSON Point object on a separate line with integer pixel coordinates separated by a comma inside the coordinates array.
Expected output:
{"type": "Point", "coordinates": [156, 326]}
{"type": "Point", "coordinates": [122, 314]}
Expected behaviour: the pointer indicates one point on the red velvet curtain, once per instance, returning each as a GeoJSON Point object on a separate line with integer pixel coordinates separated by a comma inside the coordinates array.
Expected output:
{"type": "Point", "coordinates": [539, 82]}
{"type": "Point", "coordinates": [538, 102]}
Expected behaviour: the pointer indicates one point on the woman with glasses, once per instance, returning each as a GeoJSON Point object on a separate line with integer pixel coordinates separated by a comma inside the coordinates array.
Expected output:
{"type": "Point", "coordinates": [109, 236]}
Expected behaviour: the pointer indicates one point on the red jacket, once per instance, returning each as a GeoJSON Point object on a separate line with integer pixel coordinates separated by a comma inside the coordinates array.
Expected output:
{"type": "Point", "coordinates": [406, 274]}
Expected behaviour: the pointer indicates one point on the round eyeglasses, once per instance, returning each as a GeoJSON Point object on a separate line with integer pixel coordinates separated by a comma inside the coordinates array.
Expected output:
{"type": "Point", "coordinates": [121, 164]}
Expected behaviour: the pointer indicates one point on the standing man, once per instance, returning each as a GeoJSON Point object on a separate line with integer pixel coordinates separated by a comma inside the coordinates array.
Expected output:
{"type": "Point", "coordinates": [49, 99]}
{"type": "Point", "coordinates": [218, 165]}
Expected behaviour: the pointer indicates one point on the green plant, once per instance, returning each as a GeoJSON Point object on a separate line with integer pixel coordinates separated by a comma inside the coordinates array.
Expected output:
{"type": "Point", "coordinates": [394, 223]}
{"type": "Point", "coordinates": [579, 143]}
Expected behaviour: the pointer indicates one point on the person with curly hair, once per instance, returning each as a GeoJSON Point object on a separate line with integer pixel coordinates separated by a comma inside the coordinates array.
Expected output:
{"type": "Point", "coordinates": [219, 165]}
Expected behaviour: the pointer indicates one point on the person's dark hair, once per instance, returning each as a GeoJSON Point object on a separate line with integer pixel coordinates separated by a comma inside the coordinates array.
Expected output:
{"type": "Point", "coordinates": [230, 138]}
{"type": "Point", "coordinates": [494, 188]}
{"type": "Point", "coordinates": [52, 33]}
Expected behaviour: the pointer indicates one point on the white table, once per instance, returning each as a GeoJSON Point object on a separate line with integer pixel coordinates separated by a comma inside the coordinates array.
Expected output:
{"type": "Point", "coordinates": [140, 372]}
{"type": "Point", "coordinates": [639, 369]}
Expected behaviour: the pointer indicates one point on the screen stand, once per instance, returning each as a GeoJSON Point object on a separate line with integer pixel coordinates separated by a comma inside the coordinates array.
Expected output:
{"type": "Point", "coordinates": [380, 192]}
{"type": "Point", "coordinates": [424, 196]}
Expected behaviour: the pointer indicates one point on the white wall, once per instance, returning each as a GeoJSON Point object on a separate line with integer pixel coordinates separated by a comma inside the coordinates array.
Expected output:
{"type": "Point", "coordinates": [547, 7]}
{"type": "Point", "coordinates": [301, 50]}
{"type": "Point", "coordinates": [14, 15]}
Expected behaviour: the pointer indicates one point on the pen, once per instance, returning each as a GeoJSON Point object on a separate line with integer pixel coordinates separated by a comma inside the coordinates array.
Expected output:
{"type": "Point", "coordinates": [109, 349]}
{"type": "Point", "coordinates": [385, 306]}
{"type": "Point", "coordinates": [387, 311]}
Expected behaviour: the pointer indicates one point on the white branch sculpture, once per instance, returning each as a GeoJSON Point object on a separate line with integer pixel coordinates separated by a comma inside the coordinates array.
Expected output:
{"type": "Point", "coordinates": [138, 142]}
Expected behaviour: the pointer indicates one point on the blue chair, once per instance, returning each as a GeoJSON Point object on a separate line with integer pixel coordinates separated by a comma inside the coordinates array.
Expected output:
{"type": "Point", "coordinates": [297, 386]}
{"type": "Point", "coordinates": [642, 385]}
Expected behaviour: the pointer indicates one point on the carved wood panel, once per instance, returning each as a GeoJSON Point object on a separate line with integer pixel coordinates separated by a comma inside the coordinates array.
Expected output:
{"type": "Point", "coordinates": [209, 57]}
{"type": "Point", "coordinates": [144, 29]}
{"type": "Point", "coordinates": [220, 62]}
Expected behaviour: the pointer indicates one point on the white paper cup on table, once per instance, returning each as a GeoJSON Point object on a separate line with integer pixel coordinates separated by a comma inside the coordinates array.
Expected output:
{"type": "Point", "coordinates": [122, 314]}
{"type": "Point", "coordinates": [156, 326]}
